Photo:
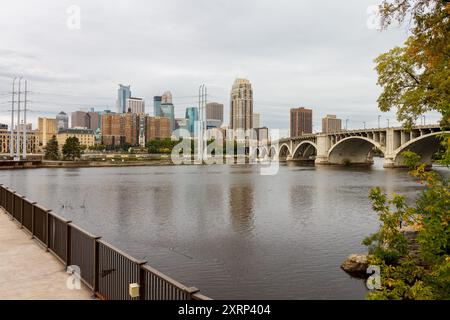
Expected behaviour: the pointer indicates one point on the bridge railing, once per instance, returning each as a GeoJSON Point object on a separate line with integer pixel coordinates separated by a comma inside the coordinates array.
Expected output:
{"type": "Point", "coordinates": [104, 269]}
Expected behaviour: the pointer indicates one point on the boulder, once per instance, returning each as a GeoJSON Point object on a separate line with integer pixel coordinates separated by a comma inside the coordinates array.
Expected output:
{"type": "Point", "coordinates": [356, 265]}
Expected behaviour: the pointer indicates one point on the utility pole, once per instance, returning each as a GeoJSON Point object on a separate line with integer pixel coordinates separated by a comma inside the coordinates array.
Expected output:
{"type": "Point", "coordinates": [424, 120]}
{"type": "Point", "coordinates": [11, 137]}
{"type": "Point", "coordinates": [388, 122]}
{"type": "Point", "coordinates": [202, 92]}
{"type": "Point", "coordinates": [379, 118]}
{"type": "Point", "coordinates": [364, 123]}
{"type": "Point", "coordinates": [18, 123]}
{"type": "Point", "coordinates": [346, 124]}
{"type": "Point", "coordinates": [24, 141]}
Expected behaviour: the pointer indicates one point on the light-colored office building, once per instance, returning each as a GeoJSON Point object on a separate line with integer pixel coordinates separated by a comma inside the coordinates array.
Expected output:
{"type": "Point", "coordinates": [256, 120]}
{"type": "Point", "coordinates": [136, 105]}
{"type": "Point", "coordinates": [47, 128]}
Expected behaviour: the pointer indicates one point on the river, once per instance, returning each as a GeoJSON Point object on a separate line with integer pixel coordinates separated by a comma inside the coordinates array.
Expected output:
{"type": "Point", "coordinates": [226, 229]}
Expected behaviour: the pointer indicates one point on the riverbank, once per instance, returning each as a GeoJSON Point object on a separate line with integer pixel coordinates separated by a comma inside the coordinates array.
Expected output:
{"type": "Point", "coordinates": [86, 164]}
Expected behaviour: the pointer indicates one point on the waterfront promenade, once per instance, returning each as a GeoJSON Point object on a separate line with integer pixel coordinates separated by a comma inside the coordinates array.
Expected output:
{"type": "Point", "coordinates": [27, 271]}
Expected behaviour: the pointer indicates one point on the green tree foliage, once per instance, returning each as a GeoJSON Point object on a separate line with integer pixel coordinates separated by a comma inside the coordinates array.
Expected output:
{"type": "Point", "coordinates": [71, 149]}
{"type": "Point", "coordinates": [161, 145]}
{"type": "Point", "coordinates": [403, 274]}
{"type": "Point", "coordinates": [52, 149]}
{"type": "Point", "coordinates": [416, 77]}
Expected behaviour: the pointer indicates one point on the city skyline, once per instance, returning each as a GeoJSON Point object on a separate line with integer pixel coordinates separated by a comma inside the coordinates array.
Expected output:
{"type": "Point", "coordinates": [299, 68]}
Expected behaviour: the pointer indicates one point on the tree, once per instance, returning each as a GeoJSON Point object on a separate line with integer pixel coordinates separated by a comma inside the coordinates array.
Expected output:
{"type": "Point", "coordinates": [52, 149]}
{"type": "Point", "coordinates": [416, 77]}
{"type": "Point", "coordinates": [72, 148]}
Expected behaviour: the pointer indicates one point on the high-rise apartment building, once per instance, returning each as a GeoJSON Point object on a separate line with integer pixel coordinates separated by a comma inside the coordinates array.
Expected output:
{"type": "Point", "coordinates": [136, 105]}
{"type": "Point", "coordinates": [214, 111]}
{"type": "Point", "coordinates": [123, 93]}
{"type": "Point", "coordinates": [301, 121]}
{"type": "Point", "coordinates": [133, 129]}
{"type": "Point", "coordinates": [331, 123]}
{"type": "Point", "coordinates": [241, 107]}
{"type": "Point", "coordinates": [157, 128]}
{"type": "Point", "coordinates": [47, 128]}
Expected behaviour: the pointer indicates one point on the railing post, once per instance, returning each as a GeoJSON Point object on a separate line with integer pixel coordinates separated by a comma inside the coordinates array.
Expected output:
{"type": "Point", "coordinates": [191, 291]}
{"type": "Point", "coordinates": [32, 219]}
{"type": "Point", "coordinates": [47, 230]}
{"type": "Point", "coordinates": [21, 212]}
{"type": "Point", "coordinates": [13, 204]}
{"type": "Point", "coordinates": [142, 283]}
{"type": "Point", "coordinates": [68, 243]}
{"type": "Point", "coordinates": [96, 265]}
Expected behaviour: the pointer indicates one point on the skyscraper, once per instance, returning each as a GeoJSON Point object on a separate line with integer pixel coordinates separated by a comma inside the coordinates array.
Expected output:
{"type": "Point", "coordinates": [301, 121]}
{"type": "Point", "coordinates": [331, 124]}
{"type": "Point", "coordinates": [62, 120]}
{"type": "Point", "coordinates": [214, 111]}
{"type": "Point", "coordinates": [191, 117]}
{"type": "Point", "coordinates": [167, 110]}
{"type": "Point", "coordinates": [123, 93]}
{"type": "Point", "coordinates": [241, 105]}
{"type": "Point", "coordinates": [166, 97]}
{"type": "Point", "coordinates": [157, 106]}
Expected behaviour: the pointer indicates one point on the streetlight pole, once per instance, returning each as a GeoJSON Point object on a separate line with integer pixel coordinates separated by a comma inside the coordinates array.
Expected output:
{"type": "Point", "coordinates": [388, 122]}
{"type": "Point", "coordinates": [346, 124]}
{"type": "Point", "coordinates": [424, 120]}
{"type": "Point", "coordinates": [364, 123]}
{"type": "Point", "coordinates": [11, 137]}
{"type": "Point", "coordinates": [379, 118]}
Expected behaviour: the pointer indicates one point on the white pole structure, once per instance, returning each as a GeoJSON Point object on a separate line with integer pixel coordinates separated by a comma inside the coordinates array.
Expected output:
{"type": "Point", "coordinates": [24, 141]}
{"type": "Point", "coordinates": [18, 123]}
{"type": "Point", "coordinates": [11, 137]}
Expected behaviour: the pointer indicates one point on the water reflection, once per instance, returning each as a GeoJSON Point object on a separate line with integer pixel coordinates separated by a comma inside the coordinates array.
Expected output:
{"type": "Point", "coordinates": [226, 229]}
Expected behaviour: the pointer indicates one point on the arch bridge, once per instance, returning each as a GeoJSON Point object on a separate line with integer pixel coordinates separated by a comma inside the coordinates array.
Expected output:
{"type": "Point", "coordinates": [358, 146]}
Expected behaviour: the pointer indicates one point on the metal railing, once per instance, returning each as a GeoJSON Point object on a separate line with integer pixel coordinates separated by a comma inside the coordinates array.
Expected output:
{"type": "Point", "coordinates": [104, 269]}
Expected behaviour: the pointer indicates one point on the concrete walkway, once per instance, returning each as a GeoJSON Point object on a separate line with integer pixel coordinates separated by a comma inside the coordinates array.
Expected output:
{"type": "Point", "coordinates": [27, 271]}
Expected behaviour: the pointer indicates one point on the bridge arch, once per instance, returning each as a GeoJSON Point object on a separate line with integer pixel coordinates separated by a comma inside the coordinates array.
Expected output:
{"type": "Point", "coordinates": [284, 151]}
{"type": "Point", "coordinates": [425, 146]}
{"type": "Point", "coordinates": [355, 150]}
{"type": "Point", "coordinates": [304, 151]}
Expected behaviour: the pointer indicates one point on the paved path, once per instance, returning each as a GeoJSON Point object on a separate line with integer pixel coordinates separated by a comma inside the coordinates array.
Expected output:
{"type": "Point", "coordinates": [27, 271]}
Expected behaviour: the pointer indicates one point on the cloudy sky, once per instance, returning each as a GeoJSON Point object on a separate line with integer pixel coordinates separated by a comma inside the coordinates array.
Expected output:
{"type": "Point", "coordinates": [317, 54]}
